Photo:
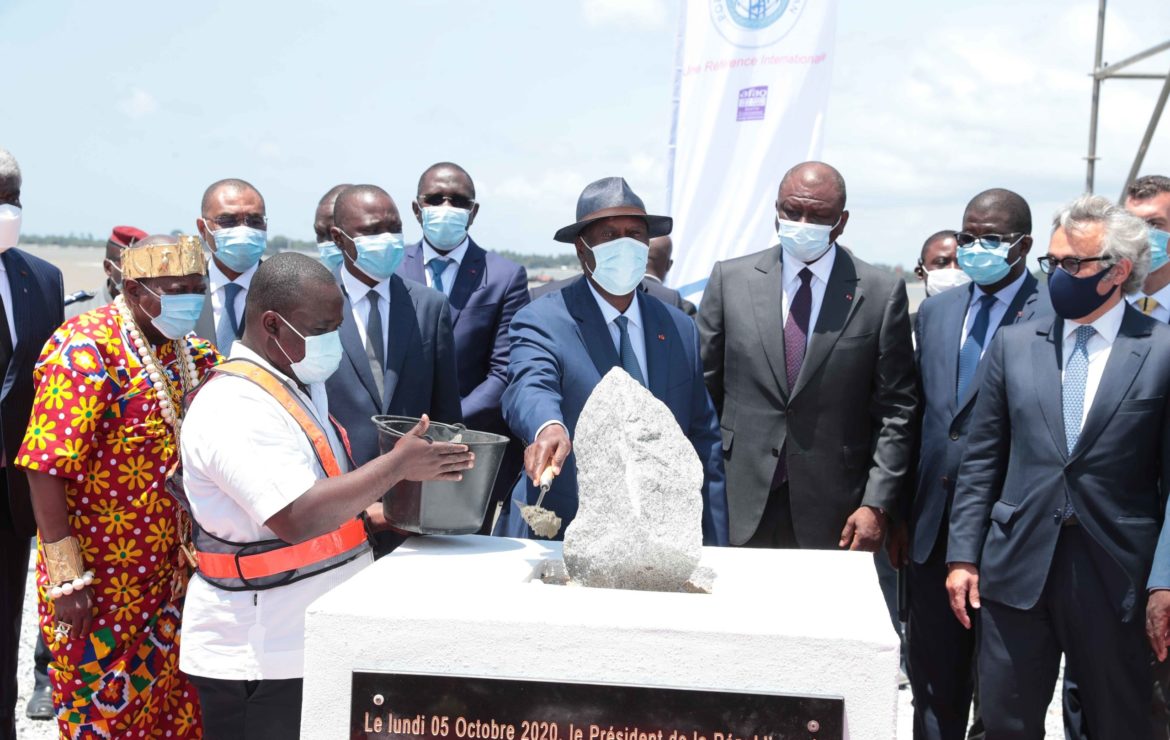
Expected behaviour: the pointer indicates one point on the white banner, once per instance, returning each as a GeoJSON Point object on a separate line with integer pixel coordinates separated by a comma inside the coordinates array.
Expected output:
{"type": "Point", "coordinates": [751, 87]}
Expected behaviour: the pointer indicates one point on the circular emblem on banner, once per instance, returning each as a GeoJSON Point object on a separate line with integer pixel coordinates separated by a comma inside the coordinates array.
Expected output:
{"type": "Point", "coordinates": [755, 23]}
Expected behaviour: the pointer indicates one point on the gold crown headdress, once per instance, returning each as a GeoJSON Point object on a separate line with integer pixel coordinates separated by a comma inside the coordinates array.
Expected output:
{"type": "Point", "coordinates": [183, 257]}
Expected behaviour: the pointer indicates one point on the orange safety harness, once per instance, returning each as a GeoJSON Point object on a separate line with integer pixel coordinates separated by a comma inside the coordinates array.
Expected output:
{"type": "Point", "coordinates": [236, 566]}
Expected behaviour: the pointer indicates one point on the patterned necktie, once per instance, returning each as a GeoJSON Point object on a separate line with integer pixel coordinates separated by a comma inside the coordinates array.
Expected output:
{"type": "Point", "coordinates": [437, 265]}
{"type": "Point", "coordinates": [1148, 305]}
{"type": "Point", "coordinates": [375, 335]}
{"type": "Point", "coordinates": [972, 348]}
{"type": "Point", "coordinates": [796, 328]}
{"type": "Point", "coordinates": [228, 330]}
{"type": "Point", "coordinates": [1076, 375]}
{"type": "Point", "coordinates": [626, 350]}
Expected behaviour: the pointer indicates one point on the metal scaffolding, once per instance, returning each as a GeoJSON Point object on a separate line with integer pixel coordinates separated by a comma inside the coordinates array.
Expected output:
{"type": "Point", "coordinates": [1104, 71]}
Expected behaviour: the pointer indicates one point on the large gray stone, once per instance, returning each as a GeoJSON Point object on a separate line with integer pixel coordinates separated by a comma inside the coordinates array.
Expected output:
{"type": "Point", "coordinates": [639, 522]}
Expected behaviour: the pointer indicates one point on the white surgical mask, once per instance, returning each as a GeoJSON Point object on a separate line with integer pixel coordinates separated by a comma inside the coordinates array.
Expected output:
{"type": "Point", "coordinates": [619, 265]}
{"type": "Point", "coordinates": [805, 242]}
{"type": "Point", "coordinates": [9, 226]}
{"type": "Point", "coordinates": [323, 353]}
{"type": "Point", "coordinates": [944, 278]}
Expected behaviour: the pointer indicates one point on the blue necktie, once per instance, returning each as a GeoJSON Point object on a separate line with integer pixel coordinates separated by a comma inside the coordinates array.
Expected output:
{"type": "Point", "coordinates": [1076, 377]}
{"type": "Point", "coordinates": [626, 354]}
{"type": "Point", "coordinates": [972, 348]}
{"type": "Point", "coordinates": [437, 265]}
{"type": "Point", "coordinates": [228, 330]}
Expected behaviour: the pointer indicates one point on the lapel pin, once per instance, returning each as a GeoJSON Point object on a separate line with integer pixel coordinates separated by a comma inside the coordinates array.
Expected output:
{"type": "Point", "coordinates": [662, 337]}
{"type": "Point", "coordinates": [848, 296]}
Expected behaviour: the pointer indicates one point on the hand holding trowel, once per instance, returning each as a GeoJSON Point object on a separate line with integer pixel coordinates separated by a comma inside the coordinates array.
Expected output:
{"type": "Point", "coordinates": [546, 455]}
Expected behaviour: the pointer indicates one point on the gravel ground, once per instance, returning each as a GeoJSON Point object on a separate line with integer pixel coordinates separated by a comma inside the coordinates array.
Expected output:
{"type": "Point", "coordinates": [27, 729]}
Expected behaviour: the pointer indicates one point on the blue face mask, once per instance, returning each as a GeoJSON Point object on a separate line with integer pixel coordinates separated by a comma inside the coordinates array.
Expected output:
{"type": "Point", "coordinates": [331, 255]}
{"type": "Point", "coordinates": [986, 266]}
{"type": "Point", "coordinates": [445, 227]}
{"type": "Point", "coordinates": [1158, 256]}
{"type": "Point", "coordinates": [379, 255]}
{"type": "Point", "coordinates": [1076, 297]}
{"type": "Point", "coordinates": [239, 247]}
{"type": "Point", "coordinates": [804, 242]}
{"type": "Point", "coordinates": [323, 353]}
{"type": "Point", "coordinates": [619, 265]}
{"type": "Point", "coordinates": [176, 319]}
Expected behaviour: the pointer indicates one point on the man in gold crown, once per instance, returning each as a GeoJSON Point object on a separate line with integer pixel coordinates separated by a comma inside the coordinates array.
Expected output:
{"type": "Point", "coordinates": [103, 437]}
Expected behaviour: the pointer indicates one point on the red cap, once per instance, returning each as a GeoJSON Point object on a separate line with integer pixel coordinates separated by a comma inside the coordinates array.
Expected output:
{"type": "Point", "coordinates": [124, 236]}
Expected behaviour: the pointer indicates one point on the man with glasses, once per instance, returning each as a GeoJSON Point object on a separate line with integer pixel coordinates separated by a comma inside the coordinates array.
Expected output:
{"type": "Point", "coordinates": [485, 291]}
{"type": "Point", "coordinates": [234, 227]}
{"type": "Point", "coordinates": [953, 330]}
{"type": "Point", "coordinates": [1060, 495]}
{"type": "Point", "coordinates": [1148, 198]}
{"type": "Point", "coordinates": [396, 334]}
{"type": "Point", "coordinates": [807, 355]}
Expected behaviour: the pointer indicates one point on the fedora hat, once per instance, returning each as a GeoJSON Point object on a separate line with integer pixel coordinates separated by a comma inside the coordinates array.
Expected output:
{"type": "Point", "coordinates": [606, 198]}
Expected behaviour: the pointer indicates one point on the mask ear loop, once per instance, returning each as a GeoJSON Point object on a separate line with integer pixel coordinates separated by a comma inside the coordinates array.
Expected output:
{"type": "Point", "coordinates": [279, 346]}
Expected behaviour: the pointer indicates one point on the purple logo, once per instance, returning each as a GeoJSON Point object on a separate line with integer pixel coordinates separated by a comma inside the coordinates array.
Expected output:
{"type": "Point", "coordinates": [752, 102]}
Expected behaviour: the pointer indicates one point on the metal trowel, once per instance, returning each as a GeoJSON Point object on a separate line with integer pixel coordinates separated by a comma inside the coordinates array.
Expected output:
{"type": "Point", "coordinates": [544, 523]}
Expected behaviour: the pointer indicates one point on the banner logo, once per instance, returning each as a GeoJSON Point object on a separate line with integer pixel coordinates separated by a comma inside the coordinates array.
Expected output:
{"type": "Point", "coordinates": [752, 103]}
{"type": "Point", "coordinates": [755, 23]}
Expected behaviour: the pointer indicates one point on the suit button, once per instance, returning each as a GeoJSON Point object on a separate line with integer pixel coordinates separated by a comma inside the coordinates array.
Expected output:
{"type": "Point", "coordinates": [1056, 515]}
{"type": "Point", "coordinates": [954, 436]}
{"type": "Point", "coordinates": [775, 452]}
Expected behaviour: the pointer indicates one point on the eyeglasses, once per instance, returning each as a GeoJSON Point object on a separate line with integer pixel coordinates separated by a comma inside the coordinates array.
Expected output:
{"type": "Point", "coordinates": [455, 201]}
{"type": "Point", "coordinates": [251, 220]}
{"type": "Point", "coordinates": [987, 241]}
{"type": "Point", "coordinates": [1071, 265]}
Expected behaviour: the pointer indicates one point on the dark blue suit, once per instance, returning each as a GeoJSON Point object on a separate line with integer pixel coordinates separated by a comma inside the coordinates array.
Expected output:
{"type": "Point", "coordinates": [941, 652]}
{"type": "Point", "coordinates": [420, 367]}
{"type": "Point", "coordinates": [37, 309]}
{"type": "Point", "coordinates": [561, 348]}
{"type": "Point", "coordinates": [1048, 588]}
{"type": "Point", "coordinates": [487, 293]}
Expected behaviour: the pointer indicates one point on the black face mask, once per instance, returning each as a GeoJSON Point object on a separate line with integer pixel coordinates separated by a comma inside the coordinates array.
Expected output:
{"type": "Point", "coordinates": [1074, 297]}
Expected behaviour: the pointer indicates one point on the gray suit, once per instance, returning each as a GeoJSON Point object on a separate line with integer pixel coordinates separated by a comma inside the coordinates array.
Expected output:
{"type": "Point", "coordinates": [846, 427]}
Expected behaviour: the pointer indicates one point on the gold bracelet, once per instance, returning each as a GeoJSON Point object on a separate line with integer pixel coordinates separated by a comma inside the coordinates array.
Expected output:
{"type": "Point", "coordinates": [63, 560]}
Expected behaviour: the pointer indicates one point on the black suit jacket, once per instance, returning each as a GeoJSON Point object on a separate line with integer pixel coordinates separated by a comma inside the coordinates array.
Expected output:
{"type": "Point", "coordinates": [669, 296]}
{"type": "Point", "coordinates": [37, 310]}
{"type": "Point", "coordinates": [944, 419]}
{"type": "Point", "coordinates": [420, 367]}
{"type": "Point", "coordinates": [847, 426]}
{"type": "Point", "coordinates": [1017, 470]}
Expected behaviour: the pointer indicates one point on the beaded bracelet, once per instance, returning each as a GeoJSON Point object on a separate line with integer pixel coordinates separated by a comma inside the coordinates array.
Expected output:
{"type": "Point", "coordinates": [67, 587]}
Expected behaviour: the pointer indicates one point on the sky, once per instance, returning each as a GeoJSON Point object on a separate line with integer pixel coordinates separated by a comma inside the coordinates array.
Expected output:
{"type": "Point", "coordinates": [124, 112]}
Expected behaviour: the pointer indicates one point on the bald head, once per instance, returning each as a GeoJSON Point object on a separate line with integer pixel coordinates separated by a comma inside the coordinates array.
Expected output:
{"type": "Point", "coordinates": [1007, 211]}
{"type": "Point", "coordinates": [323, 219]}
{"type": "Point", "coordinates": [232, 188]}
{"type": "Point", "coordinates": [283, 282]}
{"type": "Point", "coordinates": [363, 207]}
{"type": "Point", "coordinates": [816, 176]}
{"type": "Point", "coordinates": [659, 261]}
{"type": "Point", "coordinates": [445, 171]}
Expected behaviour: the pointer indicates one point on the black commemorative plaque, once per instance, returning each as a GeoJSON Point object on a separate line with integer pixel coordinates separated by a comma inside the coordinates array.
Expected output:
{"type": "Point", "coordinates": [403, 706]}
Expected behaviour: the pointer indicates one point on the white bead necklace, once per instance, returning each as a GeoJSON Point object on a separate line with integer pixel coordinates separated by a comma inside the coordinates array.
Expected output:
{"type": "Point", "coordinates": [170, 399]}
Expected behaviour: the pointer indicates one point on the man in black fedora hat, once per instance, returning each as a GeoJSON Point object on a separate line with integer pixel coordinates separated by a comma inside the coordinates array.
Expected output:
{"type": "Point", "coordinates": [565, 341]}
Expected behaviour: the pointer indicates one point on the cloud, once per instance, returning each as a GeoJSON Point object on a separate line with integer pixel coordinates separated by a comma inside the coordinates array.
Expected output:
{"type": "Point", "coordinates": [138, 104]}
{"type": "Point", "coordinates": [639, 14]}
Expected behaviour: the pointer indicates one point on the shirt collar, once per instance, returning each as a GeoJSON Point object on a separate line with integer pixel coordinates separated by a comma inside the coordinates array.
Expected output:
{"type": "Point", "coordinates": [217, 279]}
{"type": "Point", "coordinates": [317, 397]}
{"type": "Point", "coordinates": [1004, 295]}
{"type": "Point", "coordinates": [821, 269]}
{"type": "Point", "coordinates": [357, 290]}
{"type": "Point", "coordinates": [455, 255]}
{"type": "Point", "coordinates": [652, 276]}
{"type": "Point", "coordinates": [1107, 326]}
{"type": "Point", "coordinates": [609, 313]}
{"type": "Point", "coordinates": [1162, 296]}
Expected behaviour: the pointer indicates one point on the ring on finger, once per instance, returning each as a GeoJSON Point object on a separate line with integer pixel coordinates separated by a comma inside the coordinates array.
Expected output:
{"type": "Point", "coordinates": [62, 629]}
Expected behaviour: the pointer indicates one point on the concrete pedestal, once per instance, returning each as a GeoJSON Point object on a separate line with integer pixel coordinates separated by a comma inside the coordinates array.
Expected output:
{"type": "Point", "coordinates": [786, 622]}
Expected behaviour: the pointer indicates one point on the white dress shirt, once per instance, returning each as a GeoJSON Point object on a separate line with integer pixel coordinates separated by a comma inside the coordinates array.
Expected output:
{"type": "Point", "coordinates": [790, 275]}
{"type": "Point", "coordinates": [1003, 301]}
{"type": "Point", "coordinates": [1097, 348]}
{"type": "Point", "coordinates": [359, 301]}
{"type": "Point", "coordinates": [6, 296]}
{"type": "Point", "coordinates": [216, 281]}
{"type": "Point", "coordinates": [635, 328]}
{"type": "Point", "coordinates": [455, 257]}
{"type": "Point", "coordinates": [244, 460]}
{"type": "Point", "coordinates": [1162, 312]}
